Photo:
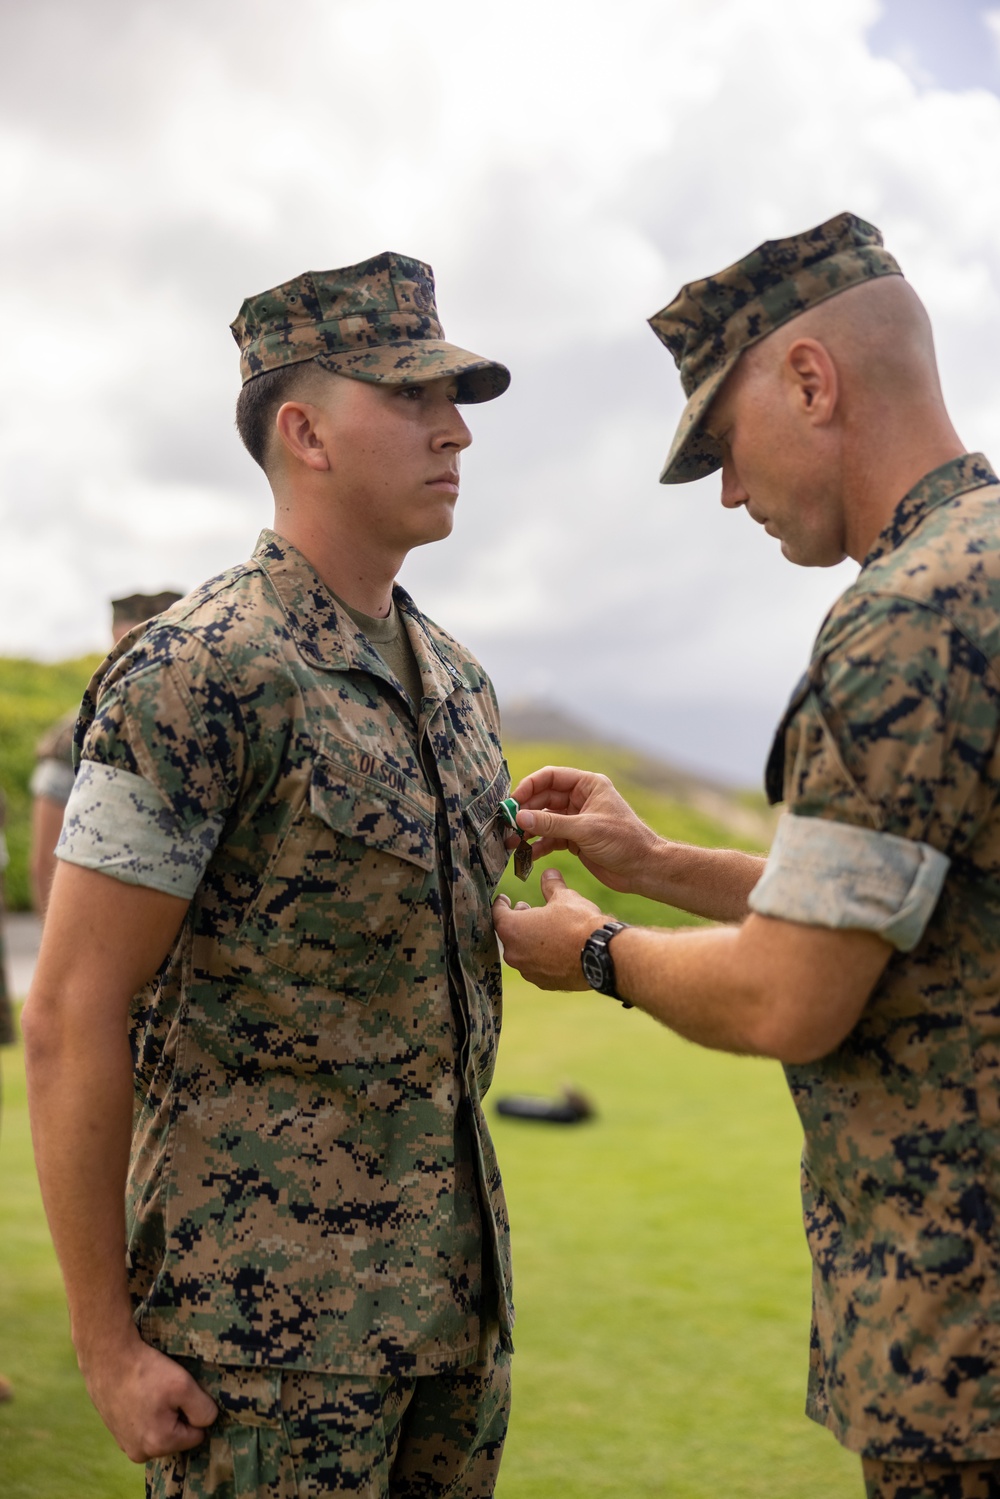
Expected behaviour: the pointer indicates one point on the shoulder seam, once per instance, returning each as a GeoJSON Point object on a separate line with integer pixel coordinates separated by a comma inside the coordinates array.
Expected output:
{"type": "Point", "coordinates": [224, 674]}
{"type": "Point", "coordinates": [191, 635]}
{"type": "Point", "coordinates": [927, 607]}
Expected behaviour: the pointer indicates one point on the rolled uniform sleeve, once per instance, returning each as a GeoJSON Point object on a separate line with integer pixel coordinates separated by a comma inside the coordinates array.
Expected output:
{"type": "Point", "coordinates": [886, 777]}
{"type": "Point", "coordinates": [160, 767]}
{"type": "Point", "coordinates": [52, 779]}
{"type": "Point", "coordinates": [830, 874]}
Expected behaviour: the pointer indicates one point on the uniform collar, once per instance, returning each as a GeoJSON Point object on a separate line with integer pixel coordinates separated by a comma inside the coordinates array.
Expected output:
{"type": "Point", "coordinates": [327, 637]}
{"type": "Point", "coordinates": [440, 664]}
{"type": "Point", "coordinates": [971, 471]}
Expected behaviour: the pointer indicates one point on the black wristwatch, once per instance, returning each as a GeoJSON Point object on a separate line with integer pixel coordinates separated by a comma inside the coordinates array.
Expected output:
{"type": "Point", "coordinates": [598, 964]}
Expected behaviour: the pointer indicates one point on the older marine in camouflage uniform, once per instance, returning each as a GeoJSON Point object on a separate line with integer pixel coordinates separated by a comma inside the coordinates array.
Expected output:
{"type": "Point", "coordinates": [316, 1228]}
{"type": "Point", "coordinates": [888, 762]}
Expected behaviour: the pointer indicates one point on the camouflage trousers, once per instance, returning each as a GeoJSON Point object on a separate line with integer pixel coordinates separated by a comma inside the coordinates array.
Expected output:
{"type": "Point", "coordinates": [889, 1480]}
{"type": "Point", "coordinates": [296, 1435]}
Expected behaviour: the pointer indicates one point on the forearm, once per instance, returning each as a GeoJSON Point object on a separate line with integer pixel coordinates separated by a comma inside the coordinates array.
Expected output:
{"type": "Point", "coordinates": [711, 882]}
{"type": "Point", "coordinates": [102, 942]}
{"type": "Point", "coordinates": [40, 871]}
{"type": "Point", "coordinates": [695, 983]}
{"type": "Point", "coordinates": [46, 826]}
{"type": "Point", "coordinates": [768, 988]}
{"type": "Point", "coordinates": [80, 1097]}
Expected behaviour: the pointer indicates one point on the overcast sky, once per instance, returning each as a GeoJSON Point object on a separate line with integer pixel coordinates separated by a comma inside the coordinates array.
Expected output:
{"type": "Point", "coordinates": [564, 166]}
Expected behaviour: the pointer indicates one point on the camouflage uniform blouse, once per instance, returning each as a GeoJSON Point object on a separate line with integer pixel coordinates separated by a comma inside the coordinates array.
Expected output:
{"type": "Point", "coordinates": [312, 1182]}
{"type": "Point", "coordinates": [894, 736]}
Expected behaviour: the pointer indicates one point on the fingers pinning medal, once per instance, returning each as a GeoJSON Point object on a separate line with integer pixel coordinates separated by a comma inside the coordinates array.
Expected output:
{"type": "Point", "coordinates": [523, 857]}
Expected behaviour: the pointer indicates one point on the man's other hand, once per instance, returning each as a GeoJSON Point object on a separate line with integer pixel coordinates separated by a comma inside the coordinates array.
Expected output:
{"type": "Point", "coordinates": [581, 811]}
{"type": "Point", "coordinates": [149, 1402]}
{"type": "Point", "coordinates": [543, 942]}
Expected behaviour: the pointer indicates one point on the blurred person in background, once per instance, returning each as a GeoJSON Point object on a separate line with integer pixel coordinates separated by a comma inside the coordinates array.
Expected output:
{"type": "Point", "coordinates": [53, 776]}
{"type": "Point", "coordinates": [8, 1033]}
{"type": "Point", "coordinates": [7, 1030]}
{"type": "Point", "coordinates": [865, 951]}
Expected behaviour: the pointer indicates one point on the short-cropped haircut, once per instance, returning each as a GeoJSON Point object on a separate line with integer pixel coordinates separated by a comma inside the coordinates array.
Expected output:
{"type": "Point", "coordinates": [259, 400]}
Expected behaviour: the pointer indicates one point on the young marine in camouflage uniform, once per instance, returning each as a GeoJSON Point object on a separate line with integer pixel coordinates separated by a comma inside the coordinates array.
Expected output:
{"type": "Point", "coordinates": [283, 839]}
{"type": "Point", "coordinates": [867, 955]}
{"type": "Point", "coordinates": [54, 773]}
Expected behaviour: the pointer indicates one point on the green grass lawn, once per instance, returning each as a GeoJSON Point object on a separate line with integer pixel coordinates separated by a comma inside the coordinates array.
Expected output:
{"type": "Point", "coordinates": [52, 1444]}
{"type": "Point", "coordinates": [661, 1279]}
{"type": "Point", "coordinates": [661, 1274]}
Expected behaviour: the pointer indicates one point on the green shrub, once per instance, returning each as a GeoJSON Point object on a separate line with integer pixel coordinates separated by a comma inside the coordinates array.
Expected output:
{"type": "Point", "coordinates": [32, 696]}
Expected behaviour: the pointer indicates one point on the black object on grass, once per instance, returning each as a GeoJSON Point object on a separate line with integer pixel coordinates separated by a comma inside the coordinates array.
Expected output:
{"type": "Point", "coordinates": [572, 1108]}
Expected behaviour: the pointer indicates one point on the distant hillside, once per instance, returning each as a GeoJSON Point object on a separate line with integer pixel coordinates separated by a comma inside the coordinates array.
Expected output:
{"type": "Point", "coordinates": [745, 813]}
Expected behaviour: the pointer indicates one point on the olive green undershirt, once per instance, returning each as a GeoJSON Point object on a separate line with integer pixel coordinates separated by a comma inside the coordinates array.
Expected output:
{"type": "Point", "coordinates": [390, 639]}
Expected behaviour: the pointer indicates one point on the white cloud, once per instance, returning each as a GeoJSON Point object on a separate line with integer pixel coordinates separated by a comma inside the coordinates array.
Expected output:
{"type": "Point", "coordinates": [565, 167]}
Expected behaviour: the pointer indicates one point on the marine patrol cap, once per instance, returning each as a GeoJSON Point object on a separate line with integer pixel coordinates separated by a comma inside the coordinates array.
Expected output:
{"type": "Point", "coordinates": [375, 321]}
{"type": "Point", "coordinates": [709, 323]}
{"type": "Point", "coordinates": [136, 608]}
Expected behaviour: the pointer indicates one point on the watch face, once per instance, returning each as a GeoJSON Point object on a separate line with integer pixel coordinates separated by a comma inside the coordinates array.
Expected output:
{"type": "Point", "coordinates": [593, 968]}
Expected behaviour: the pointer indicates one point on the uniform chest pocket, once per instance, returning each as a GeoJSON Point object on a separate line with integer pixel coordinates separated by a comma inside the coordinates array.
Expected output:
{"type": "Point", "coordinates": [347, 879]}
{"type": "Point", "coordinates": [488, 829]}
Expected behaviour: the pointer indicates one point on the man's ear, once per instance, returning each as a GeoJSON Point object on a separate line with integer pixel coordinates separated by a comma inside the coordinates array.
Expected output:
{"type": "Point", "coordinates": [813, 377]}
{"type": "Point", "coordinates": [296, 425]}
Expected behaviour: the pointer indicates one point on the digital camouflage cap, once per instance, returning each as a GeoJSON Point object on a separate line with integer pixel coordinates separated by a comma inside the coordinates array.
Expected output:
{"type": "Point", "coordinates": [709, 323]}
{"type": "Point", "coordinates": [374, 321]}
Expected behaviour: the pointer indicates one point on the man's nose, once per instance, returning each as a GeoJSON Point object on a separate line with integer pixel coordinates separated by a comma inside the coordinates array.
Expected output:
{"type": "Point", "coordinates": [733, 493]}
{"type": "Point", "coordinates": [453, 432]}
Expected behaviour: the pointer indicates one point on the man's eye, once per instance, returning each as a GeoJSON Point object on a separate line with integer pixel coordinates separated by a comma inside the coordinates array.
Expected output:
{"type": "Point", "coordinates": [411, 392]}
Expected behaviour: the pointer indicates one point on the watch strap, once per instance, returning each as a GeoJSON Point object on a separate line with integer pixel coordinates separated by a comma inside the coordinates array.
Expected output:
{"type": "Point", "coordinates": [598, 964]}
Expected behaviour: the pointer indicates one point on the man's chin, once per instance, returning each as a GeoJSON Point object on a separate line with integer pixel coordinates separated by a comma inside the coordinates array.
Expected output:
{"type": "Point", "coordinates": [437, 529]}
{"type": "Point", "coordinates": [804, 555]}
